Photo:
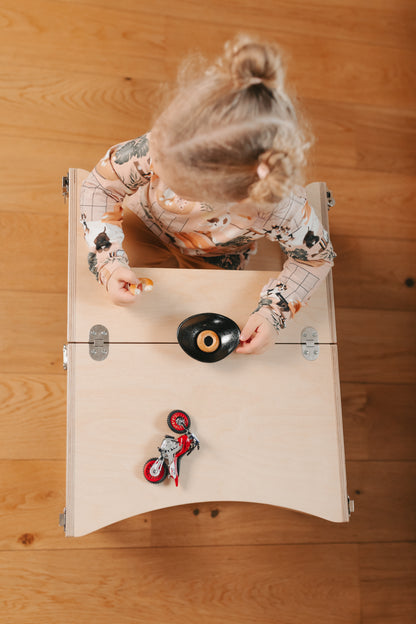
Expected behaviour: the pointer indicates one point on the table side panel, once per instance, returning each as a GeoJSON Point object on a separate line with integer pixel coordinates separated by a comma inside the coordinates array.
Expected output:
{"type": "Point", "coordinates": [267, 435]}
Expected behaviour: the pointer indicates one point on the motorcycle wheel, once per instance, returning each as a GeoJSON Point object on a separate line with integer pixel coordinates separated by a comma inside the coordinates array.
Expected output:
{"type": "Point", "coordinates": [149, 477]}
{"type": "Point", "coordinates": [178, 421]}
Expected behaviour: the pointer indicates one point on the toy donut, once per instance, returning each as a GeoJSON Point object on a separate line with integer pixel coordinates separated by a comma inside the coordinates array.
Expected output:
{"type": "Point", "coordinates": [208, 341]}
{"type": "Point", "coordinates": [145, 285]}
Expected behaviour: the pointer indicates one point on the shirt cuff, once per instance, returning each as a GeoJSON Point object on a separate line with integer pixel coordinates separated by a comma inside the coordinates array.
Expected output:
{"type": "Point", "coordinates": [114, 260]}
{"type": "Point", "coordinates": [271, 314]}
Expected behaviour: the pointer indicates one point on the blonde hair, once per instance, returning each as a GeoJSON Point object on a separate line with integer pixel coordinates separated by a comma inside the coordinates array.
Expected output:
{"type": "Point", "coordinates": [226, 121]}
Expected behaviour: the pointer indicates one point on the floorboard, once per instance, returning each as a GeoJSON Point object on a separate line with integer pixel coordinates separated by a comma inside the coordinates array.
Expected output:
{"type": "Point", "coordinates": [80, 76]}
{"type": "Point", "coordinates": [238, 585]}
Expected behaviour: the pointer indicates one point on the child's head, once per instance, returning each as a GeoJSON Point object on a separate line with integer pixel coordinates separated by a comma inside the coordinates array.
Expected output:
{"type": "Point", "coordinates": [232, 132]}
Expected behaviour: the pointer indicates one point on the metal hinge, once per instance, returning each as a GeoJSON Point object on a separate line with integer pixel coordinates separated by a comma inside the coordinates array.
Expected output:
{"type": "Point", "coordinates": [330, 201]}
{"type": "Point", "coordinates": [65, 357]}
{"type": "Point", "coordinates": [62, 519]}
{"type": "Point", "coordinates": [309, 343]}
{"type": "Point", "coordinates": [65, 186]}
{"type": "Point", "coordinates": [99, 342]}
{"type": "Point", "coordinates": [350, 506]}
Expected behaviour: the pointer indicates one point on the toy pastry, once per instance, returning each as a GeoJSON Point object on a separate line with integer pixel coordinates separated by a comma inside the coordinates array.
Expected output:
{"type": "Point", "coordinates": [145, 285]}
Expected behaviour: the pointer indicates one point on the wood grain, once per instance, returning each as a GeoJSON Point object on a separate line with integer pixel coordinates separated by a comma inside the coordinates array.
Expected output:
{"type": "Point", "coordinates": [35, 332]}
{"type": "Point", "coordinates": [362, 269]}
{"type": "Point", "coordinates": [74, 74]}
{"type": "Point", "coordinates": [370, 485]}
{"type": "Point", "coordinates": [369, 137]}
{"type": "Point", "coordinates": [358, 196]}
{"type": "Point", "coordinates": [42, 163]}
{"type": "Point", "coordinates": [114, 108]}
{"type": "Point", "coordinates": [374, 202]}
{"type": "Point", "coordinates": [98, 105]}
{"type": "Point", "coordinates": [378, 419]}
{"type": "Point", "coordinates": [32, 497]}
{"type": "Point", "coordinates": [359, 202]}
{"type": "Point", "coordinates": [43, 239]}
{"type": "Point", "coordinates": [283, 577]}
{"type": "Point", "coordinates": [374, 273]}
{"type": "Point", "coordinates": [387, 580]}
{"type": "Point", "coordinates": [33, 416]}
{"type": "Point", "coordinates": [135, 47]}
{"type": "Point", "coordinates": [363, 357]}
{"type": "Point", "coordinates": [146, 39]}
{"type": "Point", "coordinates": [317, 63]}
{"type": "Point", "coordinates": [135, 585]}
{"type": "Point", "coordinates": [296, 17]}
{"type": "Point", "coordinates": [376, 346]}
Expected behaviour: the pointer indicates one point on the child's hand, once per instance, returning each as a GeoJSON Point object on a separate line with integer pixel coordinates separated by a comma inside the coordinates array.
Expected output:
{"type": "Point", "coordinates": [257, 335]}
{"type": "Point", "coordinates": [118, 284]}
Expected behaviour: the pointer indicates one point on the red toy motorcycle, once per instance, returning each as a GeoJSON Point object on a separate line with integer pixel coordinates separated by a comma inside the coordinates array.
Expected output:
{"type": "Point", "coordinates": [172, 450]}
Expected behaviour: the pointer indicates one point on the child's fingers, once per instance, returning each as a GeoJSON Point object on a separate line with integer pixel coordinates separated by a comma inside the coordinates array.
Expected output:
{"type": "Point", "coordinates": [124, 297]}
{"type": "Point", "coordinates": [123, 274]}
{"type": "Point", "coordinates": [250, 328]}
{"type": "Point", "coordinates": [257, 335]}
{"type": "Point", "coordinates": [120, 295]}
{"type": "Point", "coordinates": [249, 337]}
{"type": "Point", "coordinates": [257, 344]}
{"type": "Point", "coordinates": [243, 348]}
{"type": "Point", "coordinates": [118, 286]}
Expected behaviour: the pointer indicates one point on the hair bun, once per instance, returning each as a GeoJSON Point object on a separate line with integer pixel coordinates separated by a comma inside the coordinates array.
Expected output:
{"type": "Point", "coordinates": [251, 62]}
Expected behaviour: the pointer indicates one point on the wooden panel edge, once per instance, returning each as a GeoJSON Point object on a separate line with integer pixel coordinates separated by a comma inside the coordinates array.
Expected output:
{"type": "Point", "coordinates": [322, 213]}
{"type": "Point", "coordinates": [70, 440]}
{"type": "Point", "coordinates": [72, 244]}
{"type": "Point", "coordinates": [329, 279]}
{"type": "Point", "coordinates": [340, 435]}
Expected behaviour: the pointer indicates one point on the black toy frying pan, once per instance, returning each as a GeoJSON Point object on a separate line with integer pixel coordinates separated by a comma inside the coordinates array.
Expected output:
{"type": "Point", "coordinates": [208, 337]}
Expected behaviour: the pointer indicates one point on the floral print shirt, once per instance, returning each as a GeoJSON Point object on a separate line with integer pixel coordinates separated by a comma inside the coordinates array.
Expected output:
{"type": "Point", "coordinates": [224, 235]}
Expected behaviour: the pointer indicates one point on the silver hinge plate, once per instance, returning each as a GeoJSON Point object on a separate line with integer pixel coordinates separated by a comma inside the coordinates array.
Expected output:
{"type": "Point", "coordinates": [65, 357]}
{"type": "Point", "coordinates": [350, 506]}
{"type": "Point", "coordinates": [62, 519]}
{"type": "Point", "coordinates": [99, 342]}
{"type": "Point", "coordinates": [309, 343]}
{"type": "Point", "coordinates": [330, 201]}
{"type": "Point", "coordinates": [65, 186]}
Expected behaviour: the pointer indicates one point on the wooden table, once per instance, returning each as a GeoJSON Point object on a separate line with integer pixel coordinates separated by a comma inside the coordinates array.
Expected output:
{"type": "Point", "coordinates": [270, 425]}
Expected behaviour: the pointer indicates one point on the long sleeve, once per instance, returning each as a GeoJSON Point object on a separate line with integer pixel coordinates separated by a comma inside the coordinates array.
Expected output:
{"type": "Point", "coordinates": [295, 225]}
{"type": "Point", "coordinates": [124, 168]}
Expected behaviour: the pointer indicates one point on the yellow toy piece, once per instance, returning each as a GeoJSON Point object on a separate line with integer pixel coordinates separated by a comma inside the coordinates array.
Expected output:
{"type": "Point", "coordinates": [145, 285]}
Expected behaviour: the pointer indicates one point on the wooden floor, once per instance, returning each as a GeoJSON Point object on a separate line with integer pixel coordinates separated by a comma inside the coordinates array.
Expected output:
{"type": "Point", "coordinates": [79, 76]}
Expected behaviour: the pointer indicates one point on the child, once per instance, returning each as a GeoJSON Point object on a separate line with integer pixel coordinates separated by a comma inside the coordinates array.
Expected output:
{"type": "Point", "coordinates": [218, 171]}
